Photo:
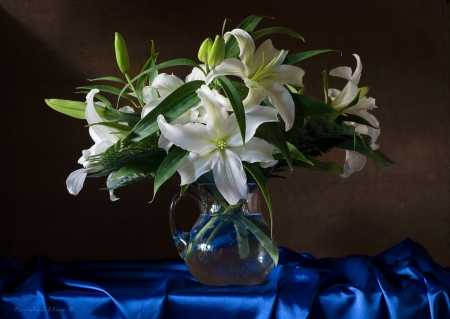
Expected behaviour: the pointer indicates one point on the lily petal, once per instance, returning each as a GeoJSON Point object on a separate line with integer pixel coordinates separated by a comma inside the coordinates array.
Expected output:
{"type": "Point", "coordinates": [196, 74]}
{"type": "Point", "coordinates": [263, 55]}
{"type": "Point", "coordinates": [366, 103]}
{"type": "Point", "coordinates": [164, 143]}
{"type": "Point", "coordinates": [253, 119]}
{"type": "Point", "coordinates": [151, 104]}
{"type": "Point", "coordinates": [217, 113]}
{"type": "Point", "coordinates": [228, 67]}
{"type": "Point", "coordinates": [246, 45]}
{"type": "Point", "coordinates": [166, 84]}
{"type": "Point", "coordinates": [357, 74]}
{"type": "Point", "coordinates": [75, 181]}
{"type": "Point", "coordinates": [230, 177]}
{"type": "Point", "coordinates": [254, 97]}
{"type": "Point", "coordinates": [346, 96]}
{"type": "Point", "coordinates": [288, 74]}
{"type": "Point", "coordinates": [192, 137]}
{"type": "Point", "coordinates": [195, 165]}
{"type": "Point", "coordinates": [111, 183]}
{"type": "Point", "coordinates": [344, 72]}
{"type": "Point", "coordinates": [353, 162]}
{"type": "Point", "coordinates": [256, 150]}
{"type": "Point", "coordinates": [279, 96]}
{"type": "Point", "coordinates": [97, 132]}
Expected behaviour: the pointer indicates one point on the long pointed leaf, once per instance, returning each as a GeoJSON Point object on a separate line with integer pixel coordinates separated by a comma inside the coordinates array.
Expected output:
{"type": "Point", "coordinates": [168, 167]}
{"type": "Point", "coordinates": [143, 165]}
{"type": "Point", "coordinates": [143, 79]}
{"type": "Point", "coordinates": [274, 135]}
{"type": "Point", "coordinates": [303, 55]}
{"type": "Point", "coordinates": [353, 118]}
{"type": "Point", "coordinates": [167, 64]}
{"type": "Point", "coordinates": [275, 30]}
{"type": "Point", "coordinates": [236, 103]}
{"type": "Point", "coordinates": [131, 118]}
{"type": "Point", "coordinates": [108, 89]}
{"type": "Point", "coordinates": [253, 169]}
{"type": "Point", "coordinates": [174, 105]}
{"type": "Point", "coordinates": [118, 126]}
{"type": "Point", "coordinates": [306, 106]}
{"type": "Point", "coordinates": [109, 78]}
{"type": "Point", "coordinates": [74, 109]}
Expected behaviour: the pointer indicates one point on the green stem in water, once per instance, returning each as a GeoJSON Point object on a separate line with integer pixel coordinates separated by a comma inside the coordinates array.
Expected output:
{"type": "Point", "coordinates": [265, 241]}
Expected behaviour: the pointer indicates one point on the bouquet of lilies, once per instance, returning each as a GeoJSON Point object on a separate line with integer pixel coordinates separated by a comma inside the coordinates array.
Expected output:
{"type": "Point", "coordinates": [213, 128]}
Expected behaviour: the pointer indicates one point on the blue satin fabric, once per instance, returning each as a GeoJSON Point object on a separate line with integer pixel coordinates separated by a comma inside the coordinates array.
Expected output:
{"type": "Point", "coordinates": [402, 282]}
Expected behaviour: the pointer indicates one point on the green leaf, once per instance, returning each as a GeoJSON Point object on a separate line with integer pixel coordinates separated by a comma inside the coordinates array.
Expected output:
{"type": "Point", "coordinates": [306, 106]}
{"type": "Point", "coordinates": [241, 88]}
{"type": "Point", "coordinates": [108, 89]}
{"type": "Point", "coordinates": [266, 242]}
{"type": "Point", "coordinates": [353, 118]}
{"type": "Point", "coordinates": [352, 103]}
{"type": "Point", "coordinates": [330, 168]}
{"type": "Point", "coordinates": [131, 118]}
{"type": "Point", "coordinates": [273, 134]}
{"type": "Point", "coordinates": [236, 103]}
{"type": "Point", "coordinates": [248, 24]}
{"type": "Point", "coordinates": [325, 86]}
{"type": "Point", "coordinates": [167, 64]}
{"type": "Point", "coordinates": [143, 165]}
{"type": "Point", "coordinates": [361, 147]}
{"type": "Point", "coordinates": [75, 109]}
{"type": "Point", "coordinates": [363, 91]}
{"type": "Point", "coordinates": [254, 170]}
{"type": "Point", "coordinates": [184, 188]}
{"type": "Point", "coordinates": [143, 79]}
{"type": "Point", "coordinates": [294, 153]}
{"type": "Point", "coordinates": [174, 105]}
{"type": "Point", "coordinates": [168, 167]}
{"type": "Point", "coordinates": [109, 78]}
{"type": "Point", "coordinates": [292, 59]}
{"type": "Point", "coordinates": [118, 126]}
{"type": "Point", "coordinates": [278, 30]}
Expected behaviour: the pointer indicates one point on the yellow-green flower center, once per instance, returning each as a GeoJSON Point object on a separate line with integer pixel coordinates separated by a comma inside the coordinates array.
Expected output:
{"type": "Point", "coordinates": [221, 144]}
{"type": "Point", "coordinates": [265, 69]}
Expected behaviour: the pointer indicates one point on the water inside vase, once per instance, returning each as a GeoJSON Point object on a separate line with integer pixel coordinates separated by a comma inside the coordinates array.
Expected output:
{"type": "Point", "coordinates": [226, 252]}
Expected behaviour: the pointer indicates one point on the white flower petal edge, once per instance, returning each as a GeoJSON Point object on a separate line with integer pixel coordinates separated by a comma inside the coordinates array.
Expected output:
{"type": "Point", "coordinates": [256, 150]}
{"type": "Point", "coordinates": [353, 162]}
{"type": "Point", "coordinates": [111, 183]}
{"type": "Point", "coordinates": [195, 165]}
{"type": "Point", "coordinates": [75, 181]}
{"type": "Point", "coordinates": [222, 134]}
{"type": "Point", "coordinates": [229, 176]}
{"type": "Point", "coordinates": [262, 70]}
{"type": "Point", "coordinates": [192, 137]}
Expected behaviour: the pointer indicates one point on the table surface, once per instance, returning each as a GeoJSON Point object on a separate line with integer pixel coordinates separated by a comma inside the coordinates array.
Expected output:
{"type": "Point", "coordinates": [402, 282]}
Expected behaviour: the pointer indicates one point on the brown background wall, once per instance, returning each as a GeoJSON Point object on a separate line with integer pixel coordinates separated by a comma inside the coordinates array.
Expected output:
{"type": "Point", "coordinates": [49, 47]}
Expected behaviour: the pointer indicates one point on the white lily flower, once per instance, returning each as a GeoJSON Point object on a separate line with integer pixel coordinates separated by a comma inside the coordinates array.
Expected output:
{"type": "Point", "coordinates": [166, 84]}
{"type": "Point", "coordinates": [263, 73]}
{"type": "Point", "coordinates": [103, 137]}
{"type": "Point", "coordinates": [218, 146]}
{"type": "Point", "coordinates": [354, 161]}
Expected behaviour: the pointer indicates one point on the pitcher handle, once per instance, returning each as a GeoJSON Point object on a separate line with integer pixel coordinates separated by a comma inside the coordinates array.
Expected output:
{"type": "Point", "coordinates": [180, 237]}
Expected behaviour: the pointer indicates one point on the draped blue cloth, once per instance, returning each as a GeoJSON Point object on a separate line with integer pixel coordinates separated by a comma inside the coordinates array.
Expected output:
{"type": "Point", "coordinates": [402, 282]}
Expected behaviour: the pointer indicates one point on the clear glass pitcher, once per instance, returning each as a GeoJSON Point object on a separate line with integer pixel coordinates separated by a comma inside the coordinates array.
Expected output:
{"type": "Point", "coordinates": [229, 244]}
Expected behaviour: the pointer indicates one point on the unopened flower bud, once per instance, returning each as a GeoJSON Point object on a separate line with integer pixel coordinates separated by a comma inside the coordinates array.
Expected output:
{"type": "Point", "coordinates": [217, 53]}
{"type": "Point", "coordinates": [123, 61]}
{"type": "Point", "coordinates": [203, 52]}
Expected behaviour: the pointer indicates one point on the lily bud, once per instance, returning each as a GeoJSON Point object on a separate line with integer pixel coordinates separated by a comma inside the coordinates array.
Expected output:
{"type": "Point", "coordinates": [217, 53]}
{"type": "Point", "coordinates": [123, 61]}
{"type": "Point", "coordinates": [203, 52]}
